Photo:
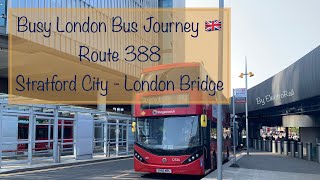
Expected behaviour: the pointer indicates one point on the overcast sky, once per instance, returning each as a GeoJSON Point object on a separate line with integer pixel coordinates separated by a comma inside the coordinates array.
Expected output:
{"type": "Point", "coordinates": [273, 34]}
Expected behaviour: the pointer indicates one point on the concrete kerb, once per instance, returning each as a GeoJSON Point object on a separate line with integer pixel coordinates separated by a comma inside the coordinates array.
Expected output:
{"type": "Point", "coordinates": [226, 165]}
{"type": "Point", "coordinates": [63, 164]}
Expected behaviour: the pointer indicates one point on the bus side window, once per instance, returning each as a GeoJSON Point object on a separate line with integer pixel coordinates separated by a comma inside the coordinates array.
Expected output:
{"type": "Point", "coordinates": [59, 133]}
{"type": "Point", "coordinates": [23, 132]}
{"type": "Point", "coordinates": [42, 132]}
{"type": "Point", "coordinates": [67, 134]}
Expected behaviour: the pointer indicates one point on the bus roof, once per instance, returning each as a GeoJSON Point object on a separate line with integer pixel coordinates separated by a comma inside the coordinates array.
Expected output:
{"type": "Point", "coordinates": [169, 66]}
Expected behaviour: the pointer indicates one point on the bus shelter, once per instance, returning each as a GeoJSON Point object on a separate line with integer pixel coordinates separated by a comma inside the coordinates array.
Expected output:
{"type": "Point", "coordinates": [29, 133]}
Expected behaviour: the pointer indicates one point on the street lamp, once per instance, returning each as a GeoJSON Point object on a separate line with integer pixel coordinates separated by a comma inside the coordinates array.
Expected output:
{"type": "Point", "coordinates": [246, 74]}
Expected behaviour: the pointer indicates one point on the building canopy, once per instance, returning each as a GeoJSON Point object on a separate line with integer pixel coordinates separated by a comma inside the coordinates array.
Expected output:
{"type": "Point", "coordinates": [297, 82]}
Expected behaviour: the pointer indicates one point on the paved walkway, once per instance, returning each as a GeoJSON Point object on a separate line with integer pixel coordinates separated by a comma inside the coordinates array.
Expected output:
{"type": "Point", "coordinates": [266, 166]}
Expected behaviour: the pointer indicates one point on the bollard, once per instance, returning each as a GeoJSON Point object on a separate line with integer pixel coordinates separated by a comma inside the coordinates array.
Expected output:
{"type": "Point", "coordinates": [274, 146]}
{"type": "Point", "coordinates": [279, 147]}
{"type": "Point", "coordinates": [269, 146]}
{"type": "Point", "coordinates": [259, 145]}
{"type": "Point", "coordinates": [292, 148]}
{"type": "Point", "coordinates": [318, 152]}
{"type": "Point", "coordinates": [300, 150]}
{"type": "Point", "coordinates": [309, 151]}
{"type": "Point", "coordinates": [264, 145]}
{"type": "Point", "coordinates": [285, 148]}
{"type": "Point", "coordinates": [255, 144]}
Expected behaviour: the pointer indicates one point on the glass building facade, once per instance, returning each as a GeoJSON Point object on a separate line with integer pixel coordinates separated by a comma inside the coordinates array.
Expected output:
{"type": "Point", "coordinates": [84, 3]}
{"type": "Point", "coordinates": [106, 40]}
{"type": "Point", "coordinates": [165, 42]}
{"type": "Point", "coordinates": [166, 3]}
{"type": "Point", "coordinates": [3, 16]}
{"type": "Point", "coordinates": [172, 3]}
{"type": "Point", "coordinates": [168, 40]}
{"type": "Point", "coordinates": [5, 4]}
{"type": "Point", "coordinates": [3, 12]}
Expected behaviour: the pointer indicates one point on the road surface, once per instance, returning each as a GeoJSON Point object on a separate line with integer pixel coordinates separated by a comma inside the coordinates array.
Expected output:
{"type": "Point", "coordinates": [114, 169]}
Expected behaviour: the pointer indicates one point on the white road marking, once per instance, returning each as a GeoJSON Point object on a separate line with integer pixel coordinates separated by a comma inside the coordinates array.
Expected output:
{"type": "Point", "coordinates": [117, 177]}
{"type": "Point", "coordinates": [122, 176]}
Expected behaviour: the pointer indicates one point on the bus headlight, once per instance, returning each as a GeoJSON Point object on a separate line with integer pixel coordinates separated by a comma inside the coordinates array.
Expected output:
{"type": "Point", "coordinates": [139, 157]}
{"type": "Point", "coordinates": [194, 157]}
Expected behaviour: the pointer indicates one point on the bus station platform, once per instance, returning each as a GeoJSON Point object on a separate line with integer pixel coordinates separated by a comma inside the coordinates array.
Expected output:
{"type": "Point", "coordinates": [266, 165]}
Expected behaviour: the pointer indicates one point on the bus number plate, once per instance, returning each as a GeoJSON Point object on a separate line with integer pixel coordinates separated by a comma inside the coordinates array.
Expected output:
{"type": "Point", "coordinates": [164, 170]}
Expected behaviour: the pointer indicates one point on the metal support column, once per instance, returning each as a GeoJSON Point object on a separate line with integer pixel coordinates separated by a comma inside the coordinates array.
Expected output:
{"type": "Point", "coordinates": [219, 142]}
{"type": "Point", "coordinates": [234, 130]}
{"type": "Point", "coordinates": [300, 150]}
{"type": "Point", "coordinates": [30, 136]}
{"type": "Point", "coordinates": [254, 144]}
{"type": "Point", "coordinates": [219, 110]}
{"type": "Point", "coordinates": [285, 148]}
{"type": "Point", "coordinates": [49, 133]}
{"type": "Point", "coordinates": [1, 108]}
{"type": "Point", "coordinates": [247, 121]}
{"type": "Point", "coordinates": [75, 132]}
{"type": "Point", "coordinates": [55, 135]}
{"type": "Point", "coordinates": [117, 137]}
{"type": "Point", "coordinates": [59, 151]}
{"type": "Point", "coordinates": [127, 137]}
{"type": "Point", "coordinates": [318, 152]}
{"type": "Point", "coordinates": [62, 136]}
{"type": "Point", "coordinates": [105, 137]}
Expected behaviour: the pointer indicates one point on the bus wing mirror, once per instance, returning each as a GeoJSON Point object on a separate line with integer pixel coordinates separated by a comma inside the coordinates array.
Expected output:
{"type": "Point", "coordinates": [133, 127]}
{"type": "Point", "coordinates": [204, 120]}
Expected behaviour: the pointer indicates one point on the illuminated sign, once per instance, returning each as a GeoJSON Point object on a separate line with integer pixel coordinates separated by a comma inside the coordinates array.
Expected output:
{"type": "Point", "coordinates": [166, 99]}
{"type": "Point", "coordinates": [155, 112]}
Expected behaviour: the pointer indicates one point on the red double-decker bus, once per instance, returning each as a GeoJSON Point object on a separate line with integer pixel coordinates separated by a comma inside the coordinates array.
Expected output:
{"type": "Point", "coordinates": [177, 138]}
{"type": "Point", "coordinates": [42, 133]}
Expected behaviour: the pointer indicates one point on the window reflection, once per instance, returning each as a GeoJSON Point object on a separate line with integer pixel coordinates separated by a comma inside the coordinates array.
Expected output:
{"type": "Point", "coordinates": [168, 133]}
{"type": "Point", "coordinates": [3, 12]}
